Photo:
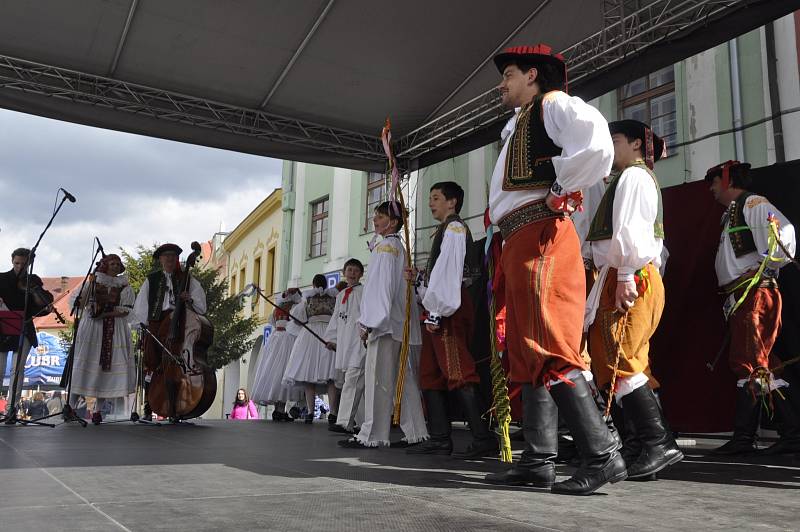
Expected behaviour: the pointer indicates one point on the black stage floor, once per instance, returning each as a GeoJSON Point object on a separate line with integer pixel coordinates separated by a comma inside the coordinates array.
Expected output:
{"type": "Point", "coordinates": [229, 475]}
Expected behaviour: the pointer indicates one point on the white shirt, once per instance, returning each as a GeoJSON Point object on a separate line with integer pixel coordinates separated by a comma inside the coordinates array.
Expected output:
{"type": "Point", "coordinates": [756, 210]}
{"type": "Point", "coordinates": [140, 308]}
{"type": "Point", "coordinates": [632, 244]}
{"type": "Point", "coordinates": [586, 156]}
{"type": "Point", "coordinates": [291, 326]}
{"type": "Point", "coordinates": [383, 305]}
{"type": "Point", "coordinates": [583, 219]}
{"type": "Point", "coordinates": [442, 295]}
{"type": "Point", "coordinates": [343, 330]}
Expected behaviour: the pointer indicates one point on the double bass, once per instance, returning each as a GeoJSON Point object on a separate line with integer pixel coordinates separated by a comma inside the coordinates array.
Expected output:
{"type": "Point", "coordinates": [183, 385]}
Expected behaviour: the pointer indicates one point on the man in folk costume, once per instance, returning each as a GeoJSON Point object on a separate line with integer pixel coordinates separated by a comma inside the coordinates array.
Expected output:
{"type": "Point", "coordinates": [554, 146]}
{"type": "Point", "coordinates": [625, 305]}
{"type": "Point", "coordinates": [156, 301]}
{"type": "Point", "coordinates": [103, 366]}
{"type": "Point", "coordinates": [756, 238]}
{"type": "Point", "coordinates": [344, 337]}
{"type": "Point", "coordinates": [446, 363]}
{"type": "Point", "coordinates": [383, 315]}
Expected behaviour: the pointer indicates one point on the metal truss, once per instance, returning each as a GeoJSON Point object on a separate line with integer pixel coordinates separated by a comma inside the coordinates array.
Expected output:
{"type": "Point", "coordinates": [89, 89]}
{"type": "Point", "coordinates": [629, 26]}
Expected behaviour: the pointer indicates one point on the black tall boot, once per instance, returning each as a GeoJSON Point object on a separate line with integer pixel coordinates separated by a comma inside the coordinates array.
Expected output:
{"type": "Point", "coordinates": [484, 442]}
{"type": "Point", "coordinates": [631, 447]}
{"type": "Point", "coordinates": [439, 427]}
{"type": "Point", "coordinates": [659, 449]}
{"type": "Point", "coordinates": [786, 405]}
{"type": "Point", "coordinates": [745, 424]}
{"type": "Point", "coordinates": [602, 462]}
{"type": "Point", "coordinates": [536, 466]}
{"type": "Point", "coordinates": [567, 452]}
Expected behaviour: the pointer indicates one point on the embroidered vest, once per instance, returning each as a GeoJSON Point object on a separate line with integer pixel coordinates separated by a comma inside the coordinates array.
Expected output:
{"type": "Point", "coordinates": [739, 232]}
{"type": "Point", "coordinates": [157, 290]}
{"type": "Point", "coordinates": [472, 269]}
{"type": "Point", "coordinates": [528, 159]}
{"type": "Point", "coordinates": [602, 226]}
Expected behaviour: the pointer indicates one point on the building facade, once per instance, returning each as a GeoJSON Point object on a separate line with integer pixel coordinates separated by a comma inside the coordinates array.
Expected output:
{"type": "Point", "coordinates": [251, 253]}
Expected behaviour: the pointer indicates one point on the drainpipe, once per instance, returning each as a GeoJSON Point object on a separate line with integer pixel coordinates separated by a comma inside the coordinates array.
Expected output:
{"type": "Point", "coordinates": [288, 224]}
{"type": "Point", "coordinates": [736, 100]}
{"type": "Point", "coordinates": [774, 92]}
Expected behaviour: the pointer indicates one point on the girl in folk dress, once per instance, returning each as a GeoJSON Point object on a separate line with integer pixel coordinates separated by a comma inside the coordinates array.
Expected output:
{"type": "Point", "coordinates": [311, 363]}
{"type": "Point", "coordinates": [268, 387]}
{"type": "Point", "coordinates": [103, 366]}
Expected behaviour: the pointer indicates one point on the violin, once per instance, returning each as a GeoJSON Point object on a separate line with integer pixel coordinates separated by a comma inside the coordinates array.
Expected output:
{"type": "Point", "coordinates": [40, 297]}
{"type": "Point", "coordinates": [183, 385]}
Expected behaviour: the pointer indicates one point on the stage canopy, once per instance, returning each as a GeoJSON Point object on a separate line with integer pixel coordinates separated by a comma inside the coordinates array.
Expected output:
{"type": "Point", "coordinates": [313, 80]}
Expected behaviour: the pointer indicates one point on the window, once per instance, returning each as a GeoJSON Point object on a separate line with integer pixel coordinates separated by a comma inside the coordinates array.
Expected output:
{"type": "Point", "coordinates": [241, 280]}
{"type": "Point", "coordinates": [319, 228]}
{"type": "Point", "coordinates": [254, 301]}
{"type": "Point", "coordinates": [270, 287]}
{"type": "Point", "coordinates": [376, 192]}
{"type": "Point", "coordinates": [651, 100]}
{"type": "Point", "coordinates": [232, 286]}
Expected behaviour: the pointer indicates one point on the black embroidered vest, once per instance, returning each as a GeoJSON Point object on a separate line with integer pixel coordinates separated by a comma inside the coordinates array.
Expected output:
{"type": "Point", "coordinates": [530, 150]}
{"type": "Point", "coordinates": [739, 232]}
{"type": "Point", "coordinates": [471, 271]}
{"type": "Point", "coordinates": [602, 226]}
{"type": "Point", "coordinates": [157, 286]}
{"type": "Point", "coordinates": [320, 305]}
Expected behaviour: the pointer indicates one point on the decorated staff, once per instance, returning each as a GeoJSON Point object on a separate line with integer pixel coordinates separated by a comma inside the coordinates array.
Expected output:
{"type": "Point", "coordinates": [396, 197]}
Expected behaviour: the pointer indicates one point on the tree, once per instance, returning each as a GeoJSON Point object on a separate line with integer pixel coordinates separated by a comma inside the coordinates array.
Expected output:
{"type": "Point", "coordinates": [231, 329]}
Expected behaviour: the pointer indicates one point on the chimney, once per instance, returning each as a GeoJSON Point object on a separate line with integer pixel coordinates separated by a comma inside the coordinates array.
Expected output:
{"type": "Point", "coordinates": [64, 284]}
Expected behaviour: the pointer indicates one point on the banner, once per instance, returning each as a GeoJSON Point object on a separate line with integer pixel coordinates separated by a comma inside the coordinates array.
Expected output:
{"type": "Point", "coordinates": [44, 364]}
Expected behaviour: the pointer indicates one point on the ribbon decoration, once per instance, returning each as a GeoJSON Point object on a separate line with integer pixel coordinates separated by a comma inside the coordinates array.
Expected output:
{"type": "Point", "coordinates": [396, 198]}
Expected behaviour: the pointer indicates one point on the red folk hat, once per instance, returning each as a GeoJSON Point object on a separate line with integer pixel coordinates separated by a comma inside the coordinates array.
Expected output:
{"type": "Point", "coordinates": [533, 54]}
{"type": "Point", "coordinates": [725, 170]}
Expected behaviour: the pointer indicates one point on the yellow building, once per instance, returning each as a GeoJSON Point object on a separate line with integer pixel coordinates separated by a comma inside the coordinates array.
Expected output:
{"type": "Point", "coordinates": [252, 251]}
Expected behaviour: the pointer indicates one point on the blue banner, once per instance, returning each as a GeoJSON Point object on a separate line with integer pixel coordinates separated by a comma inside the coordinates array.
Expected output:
{"type": "Point", "coordinates": [44, 364]}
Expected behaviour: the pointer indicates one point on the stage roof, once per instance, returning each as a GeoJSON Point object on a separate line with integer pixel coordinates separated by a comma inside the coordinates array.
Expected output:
{"type": "Point", "coordinates": [313, 80]}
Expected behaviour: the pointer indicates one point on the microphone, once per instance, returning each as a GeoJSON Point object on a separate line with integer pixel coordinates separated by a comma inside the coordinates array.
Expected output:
{"type": "Point", "coordinates": [67, 195]}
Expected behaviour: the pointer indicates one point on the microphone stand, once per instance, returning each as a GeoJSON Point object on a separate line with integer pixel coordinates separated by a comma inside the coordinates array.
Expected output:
{"type": "Point", "coordinates": [14, 385]}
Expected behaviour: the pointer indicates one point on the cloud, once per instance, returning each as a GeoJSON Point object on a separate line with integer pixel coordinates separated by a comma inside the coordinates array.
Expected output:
{"type": "Point", "coordinates": [130, 189]}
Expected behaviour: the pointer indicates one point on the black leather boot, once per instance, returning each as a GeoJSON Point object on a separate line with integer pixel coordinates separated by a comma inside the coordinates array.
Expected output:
{"type": "Point", "coordinates": [631, 447]}
{"type": "Point", "coordinates": [745, 424]}
{"type": "Point", "coordinates": [602, 462]}
{"type": "Point", "coordinates": [536, 466]}
{"type": "Point", "coordinates": [484, 442]}
{"type": "Point", "coordinates": [438, 425]}
{"type": "Point", "coordinates": [659, 449]}
{"type": "Point", "coordinates": [786, 405]}
{"type": "Point", "coordinates": [567, 452]}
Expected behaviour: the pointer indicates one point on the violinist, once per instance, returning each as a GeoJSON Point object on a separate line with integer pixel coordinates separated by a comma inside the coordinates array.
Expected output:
{"type": "Point", "coordinates": [12, 294]}
{"type": "Point", "coordinates": [104, 367]}
{"type": "Point", "coordinates": [157, 300]}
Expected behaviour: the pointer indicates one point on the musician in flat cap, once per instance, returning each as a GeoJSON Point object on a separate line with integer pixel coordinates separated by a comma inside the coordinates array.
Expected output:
{"type": "Point", "coordinates": [156, 301]}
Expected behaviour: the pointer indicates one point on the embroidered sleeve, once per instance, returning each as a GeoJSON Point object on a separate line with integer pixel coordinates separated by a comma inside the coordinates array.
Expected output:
{"type": "Point", "coordinates": [443, 295]}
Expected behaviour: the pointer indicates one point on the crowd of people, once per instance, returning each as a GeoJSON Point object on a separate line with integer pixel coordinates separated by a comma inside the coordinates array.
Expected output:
{"type": "Point", "coordinates": [577, 292]}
